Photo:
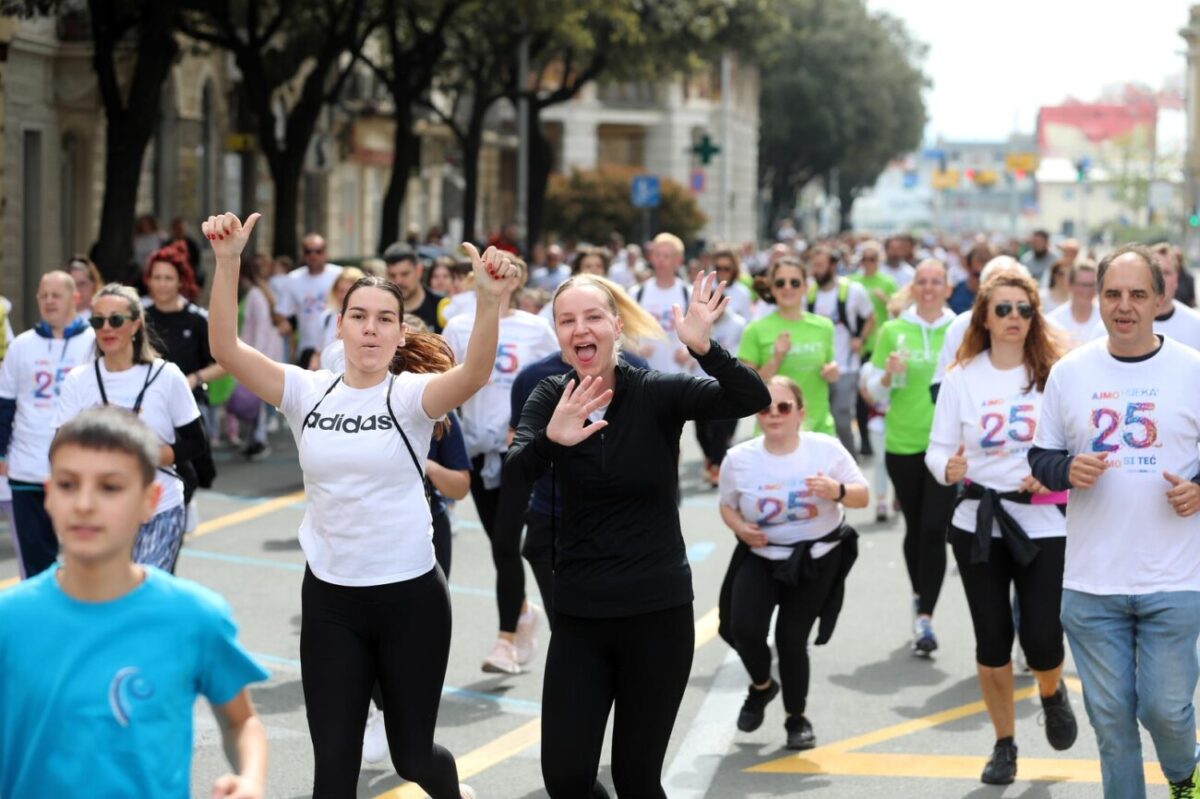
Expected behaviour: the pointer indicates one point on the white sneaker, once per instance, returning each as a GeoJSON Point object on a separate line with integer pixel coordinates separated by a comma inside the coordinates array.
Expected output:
{"type": "Point", "coordinates": [502, 659]}
{"type": "Point", "coordinates": [375, 745]}
{"type": "Point", "coordinates": [466, 791]}
{"type": "Point", "coordinates": [526, 636]}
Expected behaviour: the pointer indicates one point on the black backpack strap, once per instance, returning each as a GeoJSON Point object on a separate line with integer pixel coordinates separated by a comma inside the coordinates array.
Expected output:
{"type": "Point", "coordinates": [332, 386]}
{"type": "Point", "coordinates": [638, 292]}
{"type": "Point", "coordinates": [408, 445]}
{"type": "Point", "coordinates": [100, 382]}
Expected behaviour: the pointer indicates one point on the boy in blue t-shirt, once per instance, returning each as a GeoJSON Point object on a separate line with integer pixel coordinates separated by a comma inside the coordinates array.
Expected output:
{"type": "Point", "coordinates": [102, 659]}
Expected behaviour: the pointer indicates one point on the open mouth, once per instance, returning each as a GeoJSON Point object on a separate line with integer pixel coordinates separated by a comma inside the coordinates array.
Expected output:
{"type": "Point", "coordinates": [585, 353]}
{"type": "Point", "coordinates": [1123, 325]}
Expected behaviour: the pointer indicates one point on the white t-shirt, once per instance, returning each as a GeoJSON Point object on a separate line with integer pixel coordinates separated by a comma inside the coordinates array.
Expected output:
{"type": "Point", "coordinates": [333, 357]}
{"type": "Point", "coordinates": [858, 307]}
{"type": "Point", "coordinates": [367, 521]}
{"type": "Point", "coordinates": [524, 338]}
{"type": "Point", "coordinates": [32, 374]}
{"type": "Point", "coordinates": [1183, 325]}
{"type": "Point", "coordinates": [953, 339]}
{"type": "Point", "coordinates": [740, 299]}
{"type": "Point", "coordinates": [1123, 537]}
{"type": "Point", "coordinates": [461, 303]}
{"type": "Point", "coordinates": [769, 490]}
{"type": "Point", "coordinates": [306, 296]}
{"type": "Point", "coordinates": [1078, 333]}
{"type": "Point", "coordinates": [658, 303]}
{"type": "Point", "coordinates": [989, 411]}
{"type": "Point", "coordinates": [728, 330]}
{"type": "Point", "coordinates": [902, 274]}
{"type": "Point", "coordinates": [168, 403]}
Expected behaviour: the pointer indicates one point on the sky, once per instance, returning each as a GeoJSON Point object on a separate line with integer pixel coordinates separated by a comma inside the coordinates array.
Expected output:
{"type": "Point", "coordinates": [994, 64]}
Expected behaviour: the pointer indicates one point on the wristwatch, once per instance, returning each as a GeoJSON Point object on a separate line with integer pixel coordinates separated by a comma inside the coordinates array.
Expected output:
{"type": "Point", "coordinates": [841, 492]}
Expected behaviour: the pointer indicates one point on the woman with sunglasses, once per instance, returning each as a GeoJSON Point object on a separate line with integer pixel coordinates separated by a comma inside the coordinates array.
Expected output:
{"type": "Point", "coordinates": [903, 365]}
{"type": "Point", "coordinates": [794, 343]}
{"type": "Point", "coordinates": [783, 494]}
{"type": "Point", "coordinates": [1007, 530]}
{"type": "Point", "coordinates": [129, 373]}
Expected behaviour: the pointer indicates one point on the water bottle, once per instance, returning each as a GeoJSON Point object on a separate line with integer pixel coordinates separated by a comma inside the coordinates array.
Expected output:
{"type": "Point", "coordinates": [901, 380]}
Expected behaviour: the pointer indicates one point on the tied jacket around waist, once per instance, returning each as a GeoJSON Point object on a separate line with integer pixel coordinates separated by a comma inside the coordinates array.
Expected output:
{"type": "Point", "coordinates": [619, 549]}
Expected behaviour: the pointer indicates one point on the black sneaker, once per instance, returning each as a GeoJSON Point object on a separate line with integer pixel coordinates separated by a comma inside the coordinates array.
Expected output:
{"type": "Point", "coordinates": [1001, 769]}
{"type": "Point", "coordinates": [255, 451]}
{"type": "Point", "coordinates": [755, 707]}
{"type": "Point", "coordinates": [1188, 789]}
{"type": "Point", "coordinates": [799, 733]}
{"type": "Point", "coordinates": [1061, 728]}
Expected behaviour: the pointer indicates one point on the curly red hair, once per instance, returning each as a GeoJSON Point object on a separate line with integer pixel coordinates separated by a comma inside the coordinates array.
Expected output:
{"type": "Point", "coordinates": [176, 255]}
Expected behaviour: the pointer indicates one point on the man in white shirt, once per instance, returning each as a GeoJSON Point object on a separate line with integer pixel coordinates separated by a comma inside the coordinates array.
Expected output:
{"type": "Point", "coordinates": [1039, 258]}
{"type": "Point", "coordinates": [1173, 318]}
{"type": "Point", "coordinates": [1120, 428]}
{"type": "Point", "coordinates": [848, 306]}
{"type": "Point", "coordinates": [1080, 318]}
{"type": "Point", "coordinates": [554, 273]}
{"type": "Point", "coordinates": [657, 296]}
{"type": "Point", "coordinates": [304, 296]}
{"type": "Point", "coordinates": [894, 265]}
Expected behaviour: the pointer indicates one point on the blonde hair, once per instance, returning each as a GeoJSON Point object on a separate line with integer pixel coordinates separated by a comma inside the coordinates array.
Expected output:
{"type": "Point", "coordinates": [351, 273]}
{"type": "Point", "coordinates": [636, 322]}
{"type": "Point", "coordinates": [670, 239]}
{"type": "Point", "coordinates": [143, 350]}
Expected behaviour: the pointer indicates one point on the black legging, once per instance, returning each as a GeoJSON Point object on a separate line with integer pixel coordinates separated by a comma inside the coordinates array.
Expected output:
{"type": "Point", "coordinates": [926, 505]}
{"type": "Point", "coordinates": [398, 634]}
{"type": "Point", "coordinates": [442, 541]}
{"type": "Point", "coordinates": [538, 551]}
{"type": "Point", "coordinates": [641, 665]}
{"type": "Point", "coordinates": [506, 549]}
{"type": "Point", "coordinates": [714, 437]}
{"type": "Point", "coordinates": [755, 596]}
{"type": "Point", "coordinates": [1039, 596]}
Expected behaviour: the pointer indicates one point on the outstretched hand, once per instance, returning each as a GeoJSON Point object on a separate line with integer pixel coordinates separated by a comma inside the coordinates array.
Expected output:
{"type": "Point", "coordinates": [227, 234]}
{"type": "Point", "coordinates": [566, 426]}
{"type": "Point", "coordinates": [706, 306]}
{"type": "Point", "coordinates": [496, 276]}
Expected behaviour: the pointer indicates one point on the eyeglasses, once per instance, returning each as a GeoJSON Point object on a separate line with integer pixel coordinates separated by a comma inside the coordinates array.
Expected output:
{"type": "Point", "coordinates": [313, 250]}
{"type": "Point", "coordinates": [782, 408]}
{"type": "Point", "coordinates": [795, 283]}
{"type": "Point", "coordinates": [1003, 309]}
{"type": "Point", "coordinates": [114, 320]}
{"type": "Point", "coordinates": [869, 259]}
{"type": "Point", "coordinates": [720, 268]}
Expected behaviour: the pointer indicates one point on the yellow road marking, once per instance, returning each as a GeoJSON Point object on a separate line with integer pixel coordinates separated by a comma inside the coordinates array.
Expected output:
{"type": "Point", "coordinates": [9, 583]}
{"type": "Point", "coordinates": [246, 514]}
{"type": "Point", "coordinates": [513, 743]}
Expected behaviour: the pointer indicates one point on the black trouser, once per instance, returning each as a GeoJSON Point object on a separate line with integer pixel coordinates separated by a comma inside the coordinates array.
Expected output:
{"type": "Point", "coordinates": [442, 539]}
{"type": "Point", "coordinates": [862, 413]}
{"type": "Point", "coordinates": [926, 505]}
{"type": "Point", "coordinates": [756, 594]}
{"type": "Point", "coordinates": [398, 634]}
{"type": "Point", "coordinates": [506, 549]}
{"type": "Point", "coordinates": [37, 544]}
{"type": "Point", "coordinates": [715, 436]}
{"type": "Point", "coordinates": [538, 550]}
{"type": "Point", "coordinates": [1039, 597]}
{"type": "Point", "coordinates": [639, 664]}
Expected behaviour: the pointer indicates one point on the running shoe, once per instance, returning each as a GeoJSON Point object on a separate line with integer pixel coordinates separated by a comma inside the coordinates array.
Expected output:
{"type": "Point", "coordinates": [1188, 789]}
{"type": "Point", "coordinates": [1061, 728]}
{"type": "Point", "coordinates": [1001, 769]}
{"type": "Point", "coordinates": [255, 451]}
{"type": "Point", "coordinates": [526, 636]}
{"type": "Point", "coordinates": [375, 745]}
{"type": "Point", "coordinates": [466, 791]}
{"type": "Point", "coordinates": [924, 641]}
{"type": "Point", "coordinates": [799, 733]}
{"type": "Point", "coordinates": [755, 707]}
{"type": "Point", "coordinates": [881, 512]}
{"type": "Point", "coordinates": [502, 659]}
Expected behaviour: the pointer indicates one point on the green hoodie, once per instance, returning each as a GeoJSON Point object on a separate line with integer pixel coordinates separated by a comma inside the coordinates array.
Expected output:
{"type": "Point", "coordinates": [910, 410]}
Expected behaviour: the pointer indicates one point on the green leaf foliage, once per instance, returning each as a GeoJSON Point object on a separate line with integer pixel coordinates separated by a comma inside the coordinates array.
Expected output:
{"type": "Point", "coordinates": [588, 205]}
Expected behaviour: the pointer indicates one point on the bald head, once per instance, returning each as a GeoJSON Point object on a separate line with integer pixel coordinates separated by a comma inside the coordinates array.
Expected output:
{"type": "Point", "coordinates": [56, 299]}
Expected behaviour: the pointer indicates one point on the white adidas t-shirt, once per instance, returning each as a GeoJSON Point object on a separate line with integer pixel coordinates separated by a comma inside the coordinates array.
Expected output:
{"type": "Point", "coordinates": [168, 403]}
{"type": "Point", "coordinates": [306, 296]}
{"type": "Point", "coordinates": [1123, 536]}
{"type": "Point", "coordinates": [367, 521]}
{"type": "Point", "coordinates": [858, 307]}
{"type": "Point", "coordinates": [1183, 325]}
{"type": "Point", "coordinates": [658, 303]}
{"type": "Point", "coordinates": [769, 490]}
{"type": "Point", "coordinates": [524, 338]}
{"type": "Point", "coordinates": [32, 374]}
{"type": "Point", "coordinates": [1078, 333]}
{"type": "Point", "coordinates": [990, 412]}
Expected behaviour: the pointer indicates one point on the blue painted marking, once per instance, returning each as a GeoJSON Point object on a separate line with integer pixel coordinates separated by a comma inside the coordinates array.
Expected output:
{"type": "Point", "coordinates": [700, 551]}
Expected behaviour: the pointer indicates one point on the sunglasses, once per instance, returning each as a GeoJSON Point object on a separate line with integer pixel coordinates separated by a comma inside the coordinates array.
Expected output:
{"type": "Point", "coordinates": [870, 259]}
{"type": "Point", "coordinates": [782, 408]}
{"type": "Point", "coordinates": [114, 320]}
{"type": "Point", "coordinates": [317, 251]}
{"type": "Point", "coordinates": [795, 283]}
{"type": "Point", "coordinates": [1003, 309]}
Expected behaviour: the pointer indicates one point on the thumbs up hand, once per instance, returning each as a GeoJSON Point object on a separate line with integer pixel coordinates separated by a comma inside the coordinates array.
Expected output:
{"type": "Point", "coordinates": [956, 467]}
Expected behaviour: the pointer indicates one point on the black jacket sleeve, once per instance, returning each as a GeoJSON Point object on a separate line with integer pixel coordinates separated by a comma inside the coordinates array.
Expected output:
{"type": "Point", "coordinates": [8, 411]}
{"type": "Point", "coordinates": [1051, 467]}
{"type": "Point", "coordinates": [189, 441]}
{"type": "Point", "coordinates": [531, 452]}
{"type": "Point", "coordinates": [736, 391]}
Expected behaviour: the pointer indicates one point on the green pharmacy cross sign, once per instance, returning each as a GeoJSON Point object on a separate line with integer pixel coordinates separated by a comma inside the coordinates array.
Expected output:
{"type": "Point", "coordinates": [705, 149]}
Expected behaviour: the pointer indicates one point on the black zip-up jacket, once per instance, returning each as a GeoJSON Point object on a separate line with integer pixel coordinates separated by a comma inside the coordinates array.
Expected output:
{"type": "Point", "coordinates": [619, 548]}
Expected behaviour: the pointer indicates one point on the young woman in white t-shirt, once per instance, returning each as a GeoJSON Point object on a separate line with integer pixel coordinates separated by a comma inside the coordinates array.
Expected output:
{"type": "Point", "coordinates": [375, 605]}
{"type": "Point", "coordinates": [129, 373]}
{"type": "Point", "coordinates": [782, 495]}
{"type": "Point", "coordinates": [983, 428]}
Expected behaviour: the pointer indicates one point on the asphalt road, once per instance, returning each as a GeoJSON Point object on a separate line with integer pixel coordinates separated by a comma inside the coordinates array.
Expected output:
{"type": "Point", "coordinates": [888, 724]}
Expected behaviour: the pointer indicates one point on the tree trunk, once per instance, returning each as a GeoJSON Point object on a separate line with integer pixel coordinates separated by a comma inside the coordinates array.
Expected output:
{"type": "Point", "coordinates": [472, 148]}
{"type": "Point", "coordinates": [783, 202]}
{"type": "Point", "coordinates": [122, 167]}
{"type": "Point", "coordinates": [405, 154]}
{"type": "Point", "coordinates": [540, 156]}
{"type": "Point", "coordinates": [846, 196]}
{"type": "Point", "coordinates": [286, 172]}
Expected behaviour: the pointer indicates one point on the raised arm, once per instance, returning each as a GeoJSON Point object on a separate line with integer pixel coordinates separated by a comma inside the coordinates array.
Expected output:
{"type": "Point", "coordinates": [251, 368]}
{"type": "Point", "coordinates": [496, 279]}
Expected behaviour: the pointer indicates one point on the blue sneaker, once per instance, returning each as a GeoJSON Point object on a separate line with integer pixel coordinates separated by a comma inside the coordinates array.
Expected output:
{"type": "Point", "coordinates": [924, 641]}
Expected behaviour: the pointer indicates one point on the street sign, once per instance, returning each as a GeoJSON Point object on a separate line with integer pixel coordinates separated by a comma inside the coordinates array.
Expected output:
{"type": "Point", "coordinates": [1021, 162]}
{"type": "Point", "coordinates": [705, 149]}
{"type": "Point", "coordinates": [644, 191]}
{"type": "Point", "coordinates": [945, 179]}
{"type": "Point", "coordinates": [696, 181]}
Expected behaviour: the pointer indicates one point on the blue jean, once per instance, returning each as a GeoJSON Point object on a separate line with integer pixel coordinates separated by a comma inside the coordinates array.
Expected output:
{"type": "Point", "coordinates": [1137, 659]}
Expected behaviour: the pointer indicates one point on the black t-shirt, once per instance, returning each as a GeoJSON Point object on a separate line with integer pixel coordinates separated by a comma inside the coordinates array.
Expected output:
{"type": "Point", "coordinates": [183, 338]}
{"type": "Point", "coordinates": [427, 310]}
